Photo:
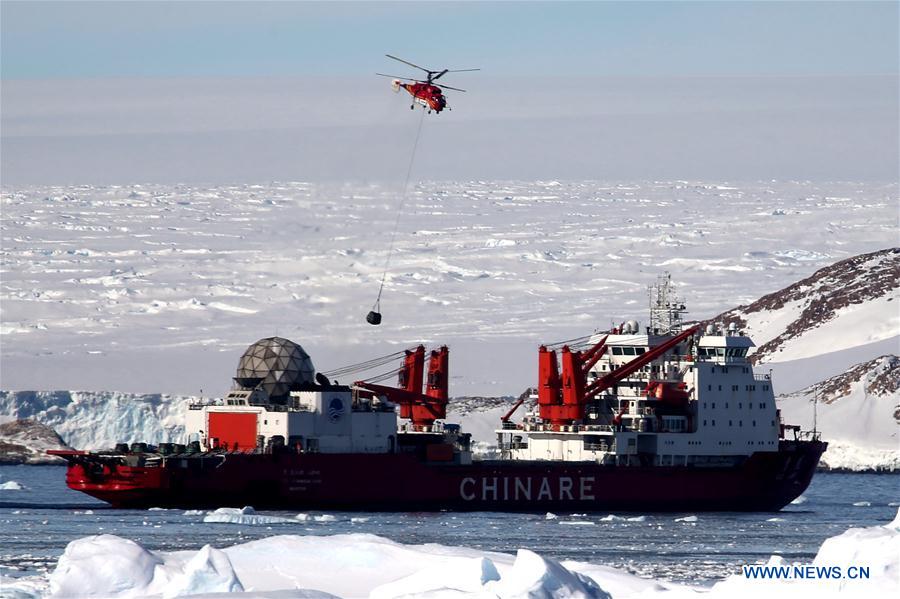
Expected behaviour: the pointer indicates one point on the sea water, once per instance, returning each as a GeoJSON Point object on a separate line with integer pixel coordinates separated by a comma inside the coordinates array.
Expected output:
{"type": "Point", "coordinates": [38, 521]}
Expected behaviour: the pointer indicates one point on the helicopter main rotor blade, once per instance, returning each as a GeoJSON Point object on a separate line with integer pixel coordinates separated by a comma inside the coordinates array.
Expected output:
{"type": "Point", "coordinates": [456, 89]}
{"type": "Point", "coordinates": [399, 77]}
{"type": "Point", "coordinates": [459, 70]}
{"type": "Point", "coordinates": [441, 74]}
{"type": "Point", "coordinates": [410, 64]}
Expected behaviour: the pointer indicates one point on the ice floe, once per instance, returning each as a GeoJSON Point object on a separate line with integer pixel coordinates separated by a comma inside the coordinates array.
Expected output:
{"type": "Point", "coordinates": [363, 565]}
{"type": "Point", "coordinates": [245, 515]}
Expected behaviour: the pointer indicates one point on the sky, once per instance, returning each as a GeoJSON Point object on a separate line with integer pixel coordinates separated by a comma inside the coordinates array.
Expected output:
{"type": "Point", "coordinates": [222, 92]}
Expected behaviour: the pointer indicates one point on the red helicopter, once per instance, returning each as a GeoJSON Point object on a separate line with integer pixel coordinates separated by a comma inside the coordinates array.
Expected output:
{"type": "Point", "coordinates": [424, 92]}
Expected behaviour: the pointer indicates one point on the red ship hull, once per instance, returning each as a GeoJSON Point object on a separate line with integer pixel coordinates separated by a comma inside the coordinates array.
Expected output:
{"type": "Point", "coordinates": [765, 481]}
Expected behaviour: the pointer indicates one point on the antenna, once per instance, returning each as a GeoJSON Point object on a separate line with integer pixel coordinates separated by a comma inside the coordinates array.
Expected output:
{"type": "Point", "coordinates": [667, 310]}
{"type": "Point", "coordinates": [815, 409]}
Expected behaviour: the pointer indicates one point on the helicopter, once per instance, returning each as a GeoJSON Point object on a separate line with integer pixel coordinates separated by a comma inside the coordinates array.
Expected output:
{"type": "Point", "coordinates": [424, 92]}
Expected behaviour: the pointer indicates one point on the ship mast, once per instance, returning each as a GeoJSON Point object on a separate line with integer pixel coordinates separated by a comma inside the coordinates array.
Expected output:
{"type": "Point", "coordinates": [667, 310]}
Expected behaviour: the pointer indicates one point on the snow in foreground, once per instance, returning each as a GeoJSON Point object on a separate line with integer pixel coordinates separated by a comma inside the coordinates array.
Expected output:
{"type": "Point", "coordinates": [361, 565]}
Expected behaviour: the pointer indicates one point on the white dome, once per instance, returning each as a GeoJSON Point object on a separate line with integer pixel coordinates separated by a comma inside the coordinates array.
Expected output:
{"type": "Point", "coordinates": [276, 365]}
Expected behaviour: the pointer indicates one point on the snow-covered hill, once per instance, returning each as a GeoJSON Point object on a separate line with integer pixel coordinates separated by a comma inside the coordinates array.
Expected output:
{"type": "Point", "coordinates": [94, 420]}
{"type": "Point", "coordinates": [850, 303]}
{"type": "Point", "coordinates": [858, 413]}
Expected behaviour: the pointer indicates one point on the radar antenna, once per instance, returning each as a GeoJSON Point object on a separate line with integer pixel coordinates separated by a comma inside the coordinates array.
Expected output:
{"type": "Point", "coordinates": [667, 310]}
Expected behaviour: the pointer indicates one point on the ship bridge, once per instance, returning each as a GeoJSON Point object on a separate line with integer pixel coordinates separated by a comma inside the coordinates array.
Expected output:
{"type": "Point", "coordinates": [729, 346]}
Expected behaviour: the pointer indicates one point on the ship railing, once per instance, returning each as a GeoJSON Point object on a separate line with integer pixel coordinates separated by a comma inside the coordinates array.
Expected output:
{"type": "Point", "coordinates": [808, 435]}
{"type": "Point", "coordinates": [600, 446]}
{"type": "Point", "coordinates": [508, 425]}
{"type": "Point", "coordinates": [437, 427]}
{"type": "Point", "coordinates": [513, 445]}
{"type": "Point", "coordinates": [597, 427]}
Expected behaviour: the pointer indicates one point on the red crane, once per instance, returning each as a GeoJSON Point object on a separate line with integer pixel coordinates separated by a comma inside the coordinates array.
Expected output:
{"type": "Point", "coordinates": [422, 408]}
{"type": "Point", "coordinates": [561, 399]}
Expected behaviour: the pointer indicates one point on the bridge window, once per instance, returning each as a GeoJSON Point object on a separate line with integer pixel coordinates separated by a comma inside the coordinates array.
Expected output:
{"type": "Point", "coordinates": [617, 351]}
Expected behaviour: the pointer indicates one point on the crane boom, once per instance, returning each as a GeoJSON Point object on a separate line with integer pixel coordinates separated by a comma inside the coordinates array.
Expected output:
{"type": "Point", "coordinates": [629, 368]}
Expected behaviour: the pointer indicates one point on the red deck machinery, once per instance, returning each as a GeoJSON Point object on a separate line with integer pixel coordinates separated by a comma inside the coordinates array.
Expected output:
{"type": "Point", "coordinates": [422, 408]}
{"type": "Point", "coordinates": [562, 399]}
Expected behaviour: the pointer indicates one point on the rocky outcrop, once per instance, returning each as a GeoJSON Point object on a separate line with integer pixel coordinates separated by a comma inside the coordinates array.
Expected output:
{"type": "Point", "coordinates": [26, 442]}
{"type": "Point", "coordinates": [880, 377]}
{"type": "Point", "coordinates": [817, 299]}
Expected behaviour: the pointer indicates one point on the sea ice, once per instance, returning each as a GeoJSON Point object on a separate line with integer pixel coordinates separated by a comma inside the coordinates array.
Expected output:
{"type": "Point", "coordinates": [246, 515]}
{"type": "Point", "coordinates": [360, 565]}
{"type": "Point", "coordinates": [687, 519]}
{"type": "Point", "coordinates": [535, 576]}
{"type": "Point", "coordinates": [208, 571]}
{"type": "Point", "coordinates": [463, 574]}
{"type": "Point", "coordinates": [11, 485]}
{"type": "Point", "coordinates": [875, 547]}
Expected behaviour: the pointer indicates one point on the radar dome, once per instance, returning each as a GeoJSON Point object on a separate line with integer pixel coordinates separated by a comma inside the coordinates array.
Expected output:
{"type": "Point", "coordinates": [275, 365]}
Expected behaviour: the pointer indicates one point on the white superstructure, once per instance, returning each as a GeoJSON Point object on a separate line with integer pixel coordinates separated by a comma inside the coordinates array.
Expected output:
{"type": "Point", "coordinates": [323, 420]}
{"type": "Point", "coordinates": [696, 403]}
